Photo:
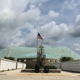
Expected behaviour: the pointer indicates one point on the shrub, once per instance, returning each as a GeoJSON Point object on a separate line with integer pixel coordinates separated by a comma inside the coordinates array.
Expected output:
{"type": "Point", "coordinates": [10, 58]}
{"type": "Point", "coordinates": [63, 59]}
{"type": "Point", "coordinates": [30, 67]}
{"type": "Point", "coordinates": [51, 67]}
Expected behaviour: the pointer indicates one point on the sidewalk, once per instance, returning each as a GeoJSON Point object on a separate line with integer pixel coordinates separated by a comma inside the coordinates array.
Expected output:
{"type": "Point", "coordinates": [19, 73]}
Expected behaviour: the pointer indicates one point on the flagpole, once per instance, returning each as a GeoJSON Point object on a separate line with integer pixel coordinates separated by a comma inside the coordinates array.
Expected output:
{"type": "Point", "coordinates": [37, 37]}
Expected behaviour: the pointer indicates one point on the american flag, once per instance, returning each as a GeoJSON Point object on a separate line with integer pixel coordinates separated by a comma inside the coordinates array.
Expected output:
{"type": "Point", "coordinates": [40, 37]}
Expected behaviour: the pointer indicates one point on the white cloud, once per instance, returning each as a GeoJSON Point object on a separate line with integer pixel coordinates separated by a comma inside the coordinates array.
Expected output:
{"type": "Point", "coordinates": [30, 15]}
{"type": "Point", "coordinates": [77, 20]}
{"type": "Point", "coordinates": [12, 19]}
{"type": "Point", "coordinates": [54, 31]}
{"type": "Point", "coordinates": [76, 46]}
{"type": "Point", "coordinates": [53, 14]}
{"type": "Point", "coordinates": [18, 27]}
{"type": "Point", "coordinates": [51, 32]}
{"type": "Point", "coordinates": [17, 6]}
{"type": "Point", "coordinates": [40, 4]}
{"type": "Point", "coordinates": [75, 30]}
{"type": "Point", "coordinates": [69, 4]}
{"type": "Point", "coordinates": [50, 15]}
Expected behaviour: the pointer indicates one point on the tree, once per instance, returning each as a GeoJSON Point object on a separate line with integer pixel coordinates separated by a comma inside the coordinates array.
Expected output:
{"type": "Point", "coordinates": [10, 58]}
{"type": "Point", "coordinates": [40, 56]}
{"type": "Point", "coordinates": [63, 59]}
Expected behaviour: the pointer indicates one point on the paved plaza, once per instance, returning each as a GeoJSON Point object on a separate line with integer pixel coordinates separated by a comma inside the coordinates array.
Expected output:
{"type": "Point", "coordinates": [17, 75]}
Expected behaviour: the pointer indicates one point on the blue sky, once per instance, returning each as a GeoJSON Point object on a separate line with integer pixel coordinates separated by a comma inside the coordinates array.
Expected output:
{"type": "Point", "coordinates": [58, 21]}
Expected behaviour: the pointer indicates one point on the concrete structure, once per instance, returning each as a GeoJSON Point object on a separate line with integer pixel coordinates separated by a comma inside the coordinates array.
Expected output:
{"type": "Point", "coordinates": [57, 65]}
{"type": "Point", "coordinates": [6, 64]}
{"type": "Point", "coordinates": [50, 70]}
{"type": "Point", "coordinates": [32, 61]}
{"type": "Point", "coordinates": [73, 66]}
{"type": "Point", "coordinates": [28, 54]}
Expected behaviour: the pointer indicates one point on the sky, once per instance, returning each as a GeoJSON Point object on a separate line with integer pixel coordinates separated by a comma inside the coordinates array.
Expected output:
{"type": "Point", "coordinates": [58, 22]}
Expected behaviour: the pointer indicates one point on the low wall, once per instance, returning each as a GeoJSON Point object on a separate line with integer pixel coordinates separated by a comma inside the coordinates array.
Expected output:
{"type": "Point", "coordinates": [21, 65]}
{"type": "Point", "coordinates": [6, 64]}
{"type": "Point", "coordinates": [57, 65]}
{"type": "Point", "coordinates": [50, 70]}
{"type": "Point", "coordinates": [73, 66]}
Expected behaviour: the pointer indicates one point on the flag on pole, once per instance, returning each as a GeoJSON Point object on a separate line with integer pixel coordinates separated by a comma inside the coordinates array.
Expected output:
{"type": "Point", "coordinates": [40, 37]}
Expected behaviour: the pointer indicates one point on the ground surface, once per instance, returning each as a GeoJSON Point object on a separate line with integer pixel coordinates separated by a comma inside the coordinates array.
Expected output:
{"type": "Point", "coordinates": [17, 75]}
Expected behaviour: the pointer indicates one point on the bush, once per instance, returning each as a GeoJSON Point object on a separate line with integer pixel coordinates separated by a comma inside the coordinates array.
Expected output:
{"type": "Point", "coordinates": [10, 58]}
{"type": "Point", "coordinates": [63, 59]}
{"type": "Point", "coordinates": [51, 67]}
{"type": "Point", "coordinates": [30, 67]}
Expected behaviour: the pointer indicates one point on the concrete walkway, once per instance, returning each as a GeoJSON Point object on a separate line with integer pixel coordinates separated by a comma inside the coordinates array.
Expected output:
{"type": "Point", "coordinates": [17, 75]}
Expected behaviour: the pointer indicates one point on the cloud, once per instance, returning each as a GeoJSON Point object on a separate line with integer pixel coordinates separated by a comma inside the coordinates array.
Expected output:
{"type": "Point", "coordinates": [13, 20]}
{"type": "Point", "coordinates": [18, 24]}
{"type": "Point", "coordinates": [51, 32]}
{"type": "Point", "coordinates": [69, 4]}
{"type": "Point", "coordinates": [54, 33]}
{"type": "Point", "coordinates": [13, 23]}
{"type": "Point", "coordinates": [77, 20]}
{"type": "Point", "coordinates": [30, 16]}
{"type": "Point", "coordinates": [51, 15]}
{"type": "Point", "coordinates": [75, 30]}
{"type": "Point", "coordinates": [76, 47]}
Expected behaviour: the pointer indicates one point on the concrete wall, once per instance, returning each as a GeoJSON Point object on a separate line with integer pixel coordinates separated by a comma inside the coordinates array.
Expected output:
{"type": "Point", "coordinates": [57, 65]}
{"type": "Point", "coordinates": [71, 65]}
{"type": "Point", "coordinates": [32, 61]}
{"type": "Point", "coordinates": [21, 65]}
{"type": "Point", "coordinates": [6, 64]}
